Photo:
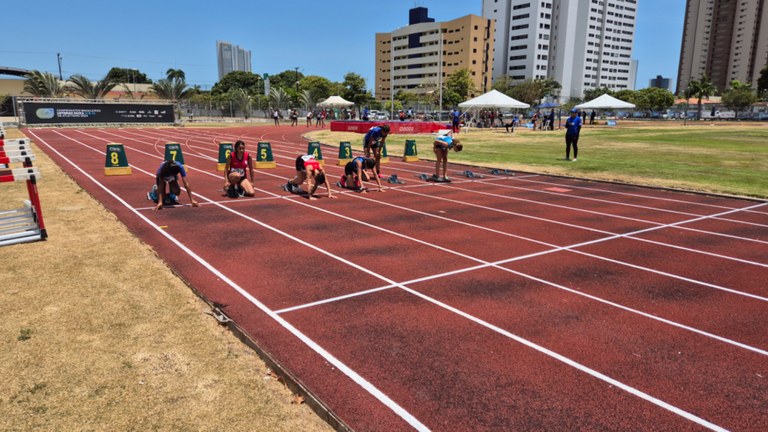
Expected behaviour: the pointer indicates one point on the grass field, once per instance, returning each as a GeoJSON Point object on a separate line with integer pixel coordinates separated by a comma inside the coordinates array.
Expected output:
{"type": "Point", "coordinates": [720, 158]}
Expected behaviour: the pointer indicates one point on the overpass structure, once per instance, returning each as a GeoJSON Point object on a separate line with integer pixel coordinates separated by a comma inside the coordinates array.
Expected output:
{"type": "Point", "coordinates": [4, 70]}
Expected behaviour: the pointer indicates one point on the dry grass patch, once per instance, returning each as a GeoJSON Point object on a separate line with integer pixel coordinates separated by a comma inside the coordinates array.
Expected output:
{"type": "Point", "coordinates": [98, 334]}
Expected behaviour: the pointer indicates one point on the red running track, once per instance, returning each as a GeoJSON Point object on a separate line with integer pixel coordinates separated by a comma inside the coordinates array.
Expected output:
{"type": "Point", "coordinates": [520, 302]}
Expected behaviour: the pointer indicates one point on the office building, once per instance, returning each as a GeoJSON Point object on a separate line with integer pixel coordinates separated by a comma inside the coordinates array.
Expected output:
{"type": "Point", "coordinates": [419, 57]}
{"type": "Point", "coordinates": [232, 58]}
{"type": "Point", "coordinates": [660, 82]}
{"type": "Point", "coordinates": [724, 40]}
{"type": "Point", "coordinates": [581, 44]}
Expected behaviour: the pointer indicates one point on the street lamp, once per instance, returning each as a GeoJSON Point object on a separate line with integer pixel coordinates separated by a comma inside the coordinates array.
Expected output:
{"type": "Point", "coordinates": [58, 58]}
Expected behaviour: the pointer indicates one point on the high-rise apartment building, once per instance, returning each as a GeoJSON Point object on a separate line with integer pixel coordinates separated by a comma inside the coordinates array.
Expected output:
{"type": "Point", "coordinates": [724, 40]}
{"type": "Point", "coordinates": [581, 44]}
{"type": "Point", "coordinates": [232, 58]}
{"type": "Point", "coordinates": [419, 57]}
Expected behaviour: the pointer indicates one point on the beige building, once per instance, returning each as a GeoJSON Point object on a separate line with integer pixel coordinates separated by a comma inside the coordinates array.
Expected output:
{"type": "Point", "coordinates": [418, 58]}
{"type": "Point", "coordinates": [724, 40]}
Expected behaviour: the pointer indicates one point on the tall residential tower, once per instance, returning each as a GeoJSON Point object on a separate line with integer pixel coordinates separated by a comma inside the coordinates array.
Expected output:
{"type": "Point", "coordinates": [232, 58]}
{"type": "Point", "coordinates": [582, 44]}
{"type": "Point", "coordinates": [724, 40]}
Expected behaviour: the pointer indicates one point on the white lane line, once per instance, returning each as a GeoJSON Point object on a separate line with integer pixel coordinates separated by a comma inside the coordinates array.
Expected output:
{"type": "Point", "coordinates": [356, 377]}
{"type": "Point", "coordinates": [351, 373]}
{"type": "Point", "coordinates": [630, 235]}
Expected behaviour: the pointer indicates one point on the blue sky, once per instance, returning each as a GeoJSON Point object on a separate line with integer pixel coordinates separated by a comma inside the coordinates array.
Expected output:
{"type": "Point", "coordinates": [327, 38]}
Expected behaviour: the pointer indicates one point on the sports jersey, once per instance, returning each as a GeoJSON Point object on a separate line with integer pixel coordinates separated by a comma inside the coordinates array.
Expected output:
{"type": "Point", "coordinates": [238, 165]}
{"type": "Point", "coordinates": [374, 134]}
{"type": "Point", "coordinates": [446, 139]}
{"type": "Point", "coordinates": [170, 173]}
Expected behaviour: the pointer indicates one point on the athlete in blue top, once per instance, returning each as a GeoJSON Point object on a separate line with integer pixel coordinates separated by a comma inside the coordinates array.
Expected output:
{"type": "Point", "coordinates": [168, 174]}
{"type": "Point", "coordinates": [442, 145]}
{"type": "Point", "coordinates": [373, 142]}
{"type": "Point", "coordinates": [354, 174]}
{"type": "Point", "coordinates": [572, 129]}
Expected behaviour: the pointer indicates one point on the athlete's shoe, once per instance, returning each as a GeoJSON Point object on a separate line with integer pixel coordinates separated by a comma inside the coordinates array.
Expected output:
{"type": "Point", "coordinates": [239, 192]}
{"type": "Point", "coordinates": [152, 195]}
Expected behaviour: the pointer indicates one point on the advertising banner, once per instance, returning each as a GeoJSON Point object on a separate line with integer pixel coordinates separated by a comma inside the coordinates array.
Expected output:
{"type": "Point", "coordinates": [79, 113]}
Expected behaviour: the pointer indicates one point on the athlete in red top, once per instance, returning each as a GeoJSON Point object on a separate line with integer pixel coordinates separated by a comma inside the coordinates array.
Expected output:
{"type": "Point", "coordinates": [235, 174]}
{"type": "Point", "coordinates": [308, 169]}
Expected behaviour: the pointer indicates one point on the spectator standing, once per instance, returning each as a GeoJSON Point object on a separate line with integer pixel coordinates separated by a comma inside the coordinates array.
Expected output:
{"type": "Point", "coordinates": [572, 129]}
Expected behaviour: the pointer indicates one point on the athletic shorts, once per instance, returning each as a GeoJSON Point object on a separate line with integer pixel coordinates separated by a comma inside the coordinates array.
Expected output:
{"type": "Point", "coordinates": [349, 169]}
{"type": "Point", "coordinates": [300, 164]}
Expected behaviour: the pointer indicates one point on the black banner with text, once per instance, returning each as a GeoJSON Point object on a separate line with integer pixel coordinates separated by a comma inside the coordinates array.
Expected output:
{"type": "Point", "coordinates": [78, 113]}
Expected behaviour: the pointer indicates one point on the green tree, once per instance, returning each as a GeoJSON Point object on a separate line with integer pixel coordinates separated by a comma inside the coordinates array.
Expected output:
{"type": "Point", "coordinates": [627, 96]}
{"type": "Point", "coordinates": [354, 89]}
{"type": "Point", "coordinates": [127, 76]}
{"type": "Point", "coordinates": [242, 101]}
{"type": "Point", "coordinates": [458, 85]}
{"type": "Point", "coordinates": [320, 87]}
{"type": "Point", "coordinates": [653, 99]}
{"type": "Point", "coordinates": [248, 81]}
{"type": "Point", "coordinates": [739, 97]}
{"type": "Point", "coordinates": [528, 91]}
{"type": "Point", "coordinates": [175, 74]}
{"type": "Point", "coordinates": [88, 89]}
{"type": "Point", "coordinates": [596, 92]}
{"type": "Point", "coordinates": [43, 85]}
{"type": "Point", "coordinates": [279, 98]}
{"type": "Point", "coordinates": [307, 99]}
{"type": "Point", "coordinates": [701, 88]}
{"type": "Point", "coordinates": [286, 80]}
{"type": "Point", "coordinates": [762, 83]}
{"type": "Point", "coordinates": [503, 84]}
{"type": "Point", "coordinates": [170, 89]}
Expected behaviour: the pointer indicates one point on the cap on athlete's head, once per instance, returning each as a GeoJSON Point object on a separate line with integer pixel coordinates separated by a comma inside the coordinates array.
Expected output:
{"type": "Point", "coordinates": [385, 129]}
{"type": "Point", "coordinates": [574, 110]}
{"type": "Point", "coordinates": [369, 163]}
{"type": "Point", "coordinates": [320, 177]}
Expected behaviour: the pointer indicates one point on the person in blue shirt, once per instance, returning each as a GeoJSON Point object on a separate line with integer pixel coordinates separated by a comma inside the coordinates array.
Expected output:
{"type": "Point", "coordinates": [373, 142]}
{"type": "Point", "coordinates": [354, 174]}
{"type": "Point", "coordinates": [168, 174]}
{"type": "Point", "coordinates": [455, 118]}
{"type": "Point", "coordinates": [572, 129]}
{"type": "Point", "coordinates": [442, 145]}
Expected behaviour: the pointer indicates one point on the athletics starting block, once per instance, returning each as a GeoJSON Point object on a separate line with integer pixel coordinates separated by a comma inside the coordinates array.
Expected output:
{"type": "Point", "coordinates": [470, 174]}
{"type": "Point", "coordinates": [24, 224]}
{"type": "Point", "coordinates": [394, 180]}
{"type": "Point", "coordinates": [502, 172]}
{"type": "Point", "coordinates": [423, 176]}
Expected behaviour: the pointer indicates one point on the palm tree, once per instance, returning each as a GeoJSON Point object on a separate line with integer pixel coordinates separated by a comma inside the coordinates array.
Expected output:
{"type": "Point", "coordinates": [242, 100]}
{"type": "Point", "coordinates": [701, 88]}
{"type": "Point", "coordinates": [87, 89]}
{"type": "Point", "coordinates": [279, 97]}
{"type": "Point", "coordinates": [170, 89]}
{"type": "Point", "coordinates": [43, 85]}
{"type": "Point", "coordinates": [175, 74]}
{"type": "Point", "coordinates": [308, 99]}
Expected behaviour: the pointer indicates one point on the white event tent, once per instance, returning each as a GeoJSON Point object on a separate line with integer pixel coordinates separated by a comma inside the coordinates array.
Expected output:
{"type": "Point", "coordinates": [493, 99]}
{"type": "Point", "coordinates": [335, 101]}
{"type": "Point", "coordinates": [605, 102]}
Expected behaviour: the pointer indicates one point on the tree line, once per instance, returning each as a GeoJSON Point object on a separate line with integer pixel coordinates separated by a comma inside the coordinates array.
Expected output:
{"type": "Point", "coordinates": [291, 88]}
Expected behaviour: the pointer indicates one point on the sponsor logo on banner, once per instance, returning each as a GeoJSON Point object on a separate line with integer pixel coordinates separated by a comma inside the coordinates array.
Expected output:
{"type": "Point", "coordinates": [45, 113]}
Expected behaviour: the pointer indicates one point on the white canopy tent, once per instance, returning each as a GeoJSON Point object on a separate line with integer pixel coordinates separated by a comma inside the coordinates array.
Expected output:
{"type": "Point", "coordinates": [605, 102]}
{"type": "Point", "coordinates": [493, 99]}
{"type": "Point", "coordinates": [335, 101]}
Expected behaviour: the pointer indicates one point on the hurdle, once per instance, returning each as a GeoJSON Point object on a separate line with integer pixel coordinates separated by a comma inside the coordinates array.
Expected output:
{"type": "Point", "coordinates": [24, 224]}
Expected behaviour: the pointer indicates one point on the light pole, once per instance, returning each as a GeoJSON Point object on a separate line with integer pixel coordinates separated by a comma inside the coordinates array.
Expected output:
{"type": "Point", "coordinates": [392, 78]}
{"type": "Point", "coordinates": [58, 58]}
